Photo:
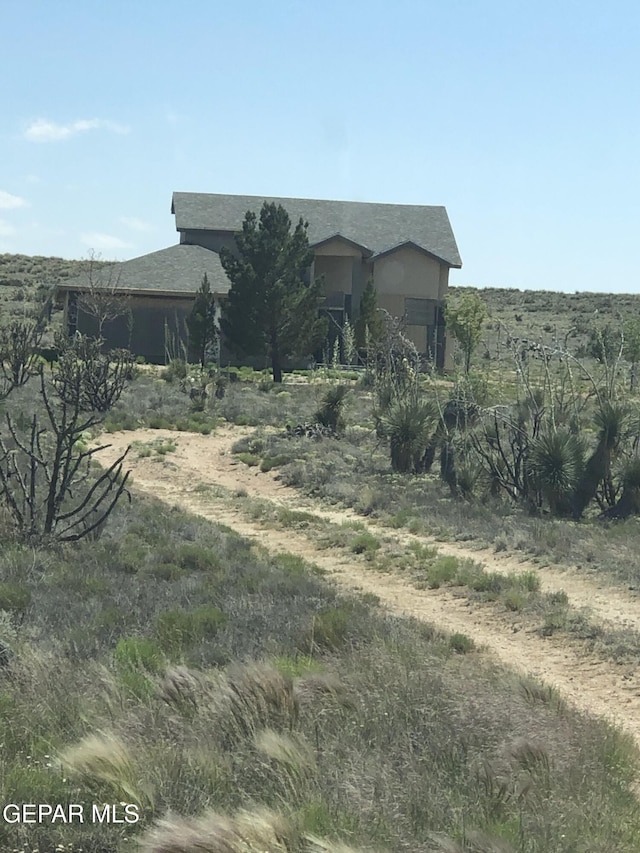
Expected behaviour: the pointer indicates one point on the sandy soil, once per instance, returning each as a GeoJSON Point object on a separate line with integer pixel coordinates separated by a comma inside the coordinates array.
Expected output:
{"type": "Point", "coordinates": [591, 684]}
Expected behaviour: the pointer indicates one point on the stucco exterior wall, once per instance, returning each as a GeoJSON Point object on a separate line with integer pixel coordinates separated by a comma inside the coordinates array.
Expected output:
{"type": "Point", "coordinates": [444, 283]}
{"type": "Point", "coordinates": [407, 272]}
{"type": "Point", "coordinates": [418, 336]}
{"type": "Point", "coordinates": [145, 336]}
{"type": "Point", "coordinates": [337, 272]}
{"type": "Point", "coordinates": [337, 248]}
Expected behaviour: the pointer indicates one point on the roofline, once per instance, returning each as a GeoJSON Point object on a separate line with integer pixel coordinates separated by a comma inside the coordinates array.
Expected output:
{"type": "Point", "coordinates": [411, 244]}
{"type": "Point", "coordinates": [306, 198]}
{"type": "Point", "coordinates": [367, 253]}
{"type": "Point", "coordinates": [70, 288]}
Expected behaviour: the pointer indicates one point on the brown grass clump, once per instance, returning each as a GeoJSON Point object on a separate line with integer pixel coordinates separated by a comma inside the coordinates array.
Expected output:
{"type": "Point", "coordinates": [324, 845]}
{"type": "Point", "coordinates": [256, 831]}
{"type": "Point", "coordinates": [312, 688]}
{"type": "Point", "coordinates": [104, 759]}
{"type": "Point", "coordinates": [475, 840]}
{"type": "Point", "coordinates": [182, 688]}
{"type": "Point", "coordinates": [259, 696]}
{"type": "Point", "coordinates": [293, 752]}
{"type": "Point", "coordinates": [529, 755]}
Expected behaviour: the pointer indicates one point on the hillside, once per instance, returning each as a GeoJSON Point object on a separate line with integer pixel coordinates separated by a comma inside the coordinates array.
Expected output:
{"type": "Point", "coordinates": [539, 315]}
{"type": "Point", "coordinates": [548, 316]}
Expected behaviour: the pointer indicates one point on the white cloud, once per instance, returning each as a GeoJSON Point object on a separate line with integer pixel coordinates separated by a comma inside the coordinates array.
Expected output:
{"type": "Point", "coordinates": [96, 240]}
{"type": "Point", "coordinates": [9, 201]}
{"type": "Point", "coordinates": [136, 224]}
{"type": "Point", "coordinates": [42, 130]}
{"type": "Point", "coordinates": [6, 228]}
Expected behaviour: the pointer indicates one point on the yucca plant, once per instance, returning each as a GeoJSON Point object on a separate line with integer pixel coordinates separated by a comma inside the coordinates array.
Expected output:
{"type": "Point", "coordinates": [556, 463]}
{"type": "Point", "coordinates": [629, 502]}
{"type": "Point", "coordinates": [611, 420]}
{"type": "Point", "coordinates": [331, 411]}
{"type": "Point", "coordinates": [409, 427]}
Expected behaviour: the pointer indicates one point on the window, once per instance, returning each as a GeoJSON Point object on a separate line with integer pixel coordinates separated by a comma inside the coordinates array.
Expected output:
{"type": "Point", "coordinates": [419, 312]}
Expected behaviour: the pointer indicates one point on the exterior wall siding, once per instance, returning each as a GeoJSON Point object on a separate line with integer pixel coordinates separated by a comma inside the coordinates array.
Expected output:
{"type": "Point", "coordinates": [337, 248]}
{"type": "Point", "coordinates": [409, 273]}
{"type": "Point", "coordinates": [144, 331]}
{"type": "Point", "coordinates": [405, 273]}
{"type": "Point", "coordinates": [337, 272]}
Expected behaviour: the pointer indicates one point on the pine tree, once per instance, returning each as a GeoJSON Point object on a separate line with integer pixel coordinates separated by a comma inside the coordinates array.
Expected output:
{"type": "Point", "coordinates": [369, 327]}
{"type": "Point", "coordinates": [271, 308]}
{"type": "Point", "coordinates": [203, 330]}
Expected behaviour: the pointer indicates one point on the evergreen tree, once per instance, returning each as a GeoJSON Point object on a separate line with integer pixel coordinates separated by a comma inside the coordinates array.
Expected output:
{"type": "Point", "coordinates": [201, 322]}
{"type": "Point", "coordinates": [369, 327]}
{"type": "Point", "coordinates": [272, 308]}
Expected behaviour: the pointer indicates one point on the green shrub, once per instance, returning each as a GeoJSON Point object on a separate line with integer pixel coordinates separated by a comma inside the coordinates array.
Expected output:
{"type": "Point", "coordinates": [197, 558]}
{"type": "Point", "coordinates": [164, 448]}
{"type": "Point", "coordinates": [271, 462]}
{"type": "Point", "coordinates": [249, 459]}
{"type": "Point", "coordinates": [297, 667]}
{"type": "Point", "coordinates": [554, 620]}
{"type": "Point", "coordinates": [330, 628]}
{"type": "Point", "coordinates": [514, 600]}
{"type": "Point", "coordinates": [138, 652]}
{"type": "Point", "coordinates": [461, 644]}
{"type": "Point", "coordinates": [292, 564]}
{"type": "Point", "coordinates": [296, 518]}
{"type": "Point", "coordinates": [128, 557]}
{"type": "Point", "coordinates": [365, 543]}
{"type": "Point", "coordinates": [178, 630]}
{"type": "Point", "coordinates": [135, 684]}
{"type": "Point", "coordinates": [528, 580]}
{"type": "Point", "coordinates": [159, 422]}
{"type": "Point", "coordinates": [166, 571]}
{"type": "Point", "coordinates": [14, 597]}
{"type": "Point", "coordinates": [559, 597]}
{"type": "Point", "coordinates": [244, 420]}
{"type": "Point", "coordinates": [118, 419]}
{"type": "Point", "coordinates": [443, 570]}
{"type": "Point", "coordinates": [177, 369]}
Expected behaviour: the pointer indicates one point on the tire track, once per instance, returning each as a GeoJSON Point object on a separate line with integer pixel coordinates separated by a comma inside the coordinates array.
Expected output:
{"type": "Point", "coordinates": [592, 685]}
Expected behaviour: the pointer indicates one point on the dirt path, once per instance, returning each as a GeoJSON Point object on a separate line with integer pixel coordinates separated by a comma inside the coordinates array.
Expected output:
{"type": "Point", "coordinates": [591, 684]}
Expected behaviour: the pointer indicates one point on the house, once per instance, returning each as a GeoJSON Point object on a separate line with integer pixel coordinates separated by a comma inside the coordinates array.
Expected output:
{"type": "Point", "coordinates": [407, 250]}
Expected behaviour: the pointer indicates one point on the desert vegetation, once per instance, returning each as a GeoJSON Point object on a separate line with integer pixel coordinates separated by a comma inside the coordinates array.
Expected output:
{"type": "Point", "coordinates": [228, 693]}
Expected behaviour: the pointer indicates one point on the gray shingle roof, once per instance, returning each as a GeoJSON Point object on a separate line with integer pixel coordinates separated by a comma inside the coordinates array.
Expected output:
{"type": "Point", "coordinates": [178, 269]}
{"type": "Point", "coordinates": [379, 227]}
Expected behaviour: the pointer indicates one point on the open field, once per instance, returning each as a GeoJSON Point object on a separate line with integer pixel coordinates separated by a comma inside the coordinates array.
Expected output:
{"type": "Point", "coordinates": [338, 656]}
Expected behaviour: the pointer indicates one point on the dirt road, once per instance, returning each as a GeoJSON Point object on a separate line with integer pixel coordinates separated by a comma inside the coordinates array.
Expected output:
{"type": "Point", "coordinates": [591, 684]}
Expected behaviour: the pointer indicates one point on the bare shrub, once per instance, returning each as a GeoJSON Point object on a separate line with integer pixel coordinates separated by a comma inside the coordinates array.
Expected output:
{"type": "Point", "coordinates": [18, 354]}
{"type": "Point", "coordinates": [46, 479]}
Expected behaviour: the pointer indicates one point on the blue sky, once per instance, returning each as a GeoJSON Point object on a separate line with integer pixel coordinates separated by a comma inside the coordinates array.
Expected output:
{"type": "Point", "coordinates": [521, 118]}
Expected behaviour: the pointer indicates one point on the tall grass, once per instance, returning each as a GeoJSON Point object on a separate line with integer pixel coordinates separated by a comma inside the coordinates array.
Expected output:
{"type": "Point", "coordinates": [305, 719]}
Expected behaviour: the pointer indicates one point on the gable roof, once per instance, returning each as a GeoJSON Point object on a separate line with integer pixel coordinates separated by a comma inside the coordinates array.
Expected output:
{"type": "Point", "coordinates": [380, 227]}
{"type": "Point", "coordinates": [408, 244]}
{"type": "Point", "coordinates": [366, 252]}
{"type": "Point", "coordinates": [167, 272]}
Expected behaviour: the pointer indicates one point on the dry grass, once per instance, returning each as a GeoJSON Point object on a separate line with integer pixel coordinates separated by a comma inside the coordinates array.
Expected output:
{"type": "Point", "coordinates": [303, 716]}
{"type": "Point", "coordinates": [257, 831]}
